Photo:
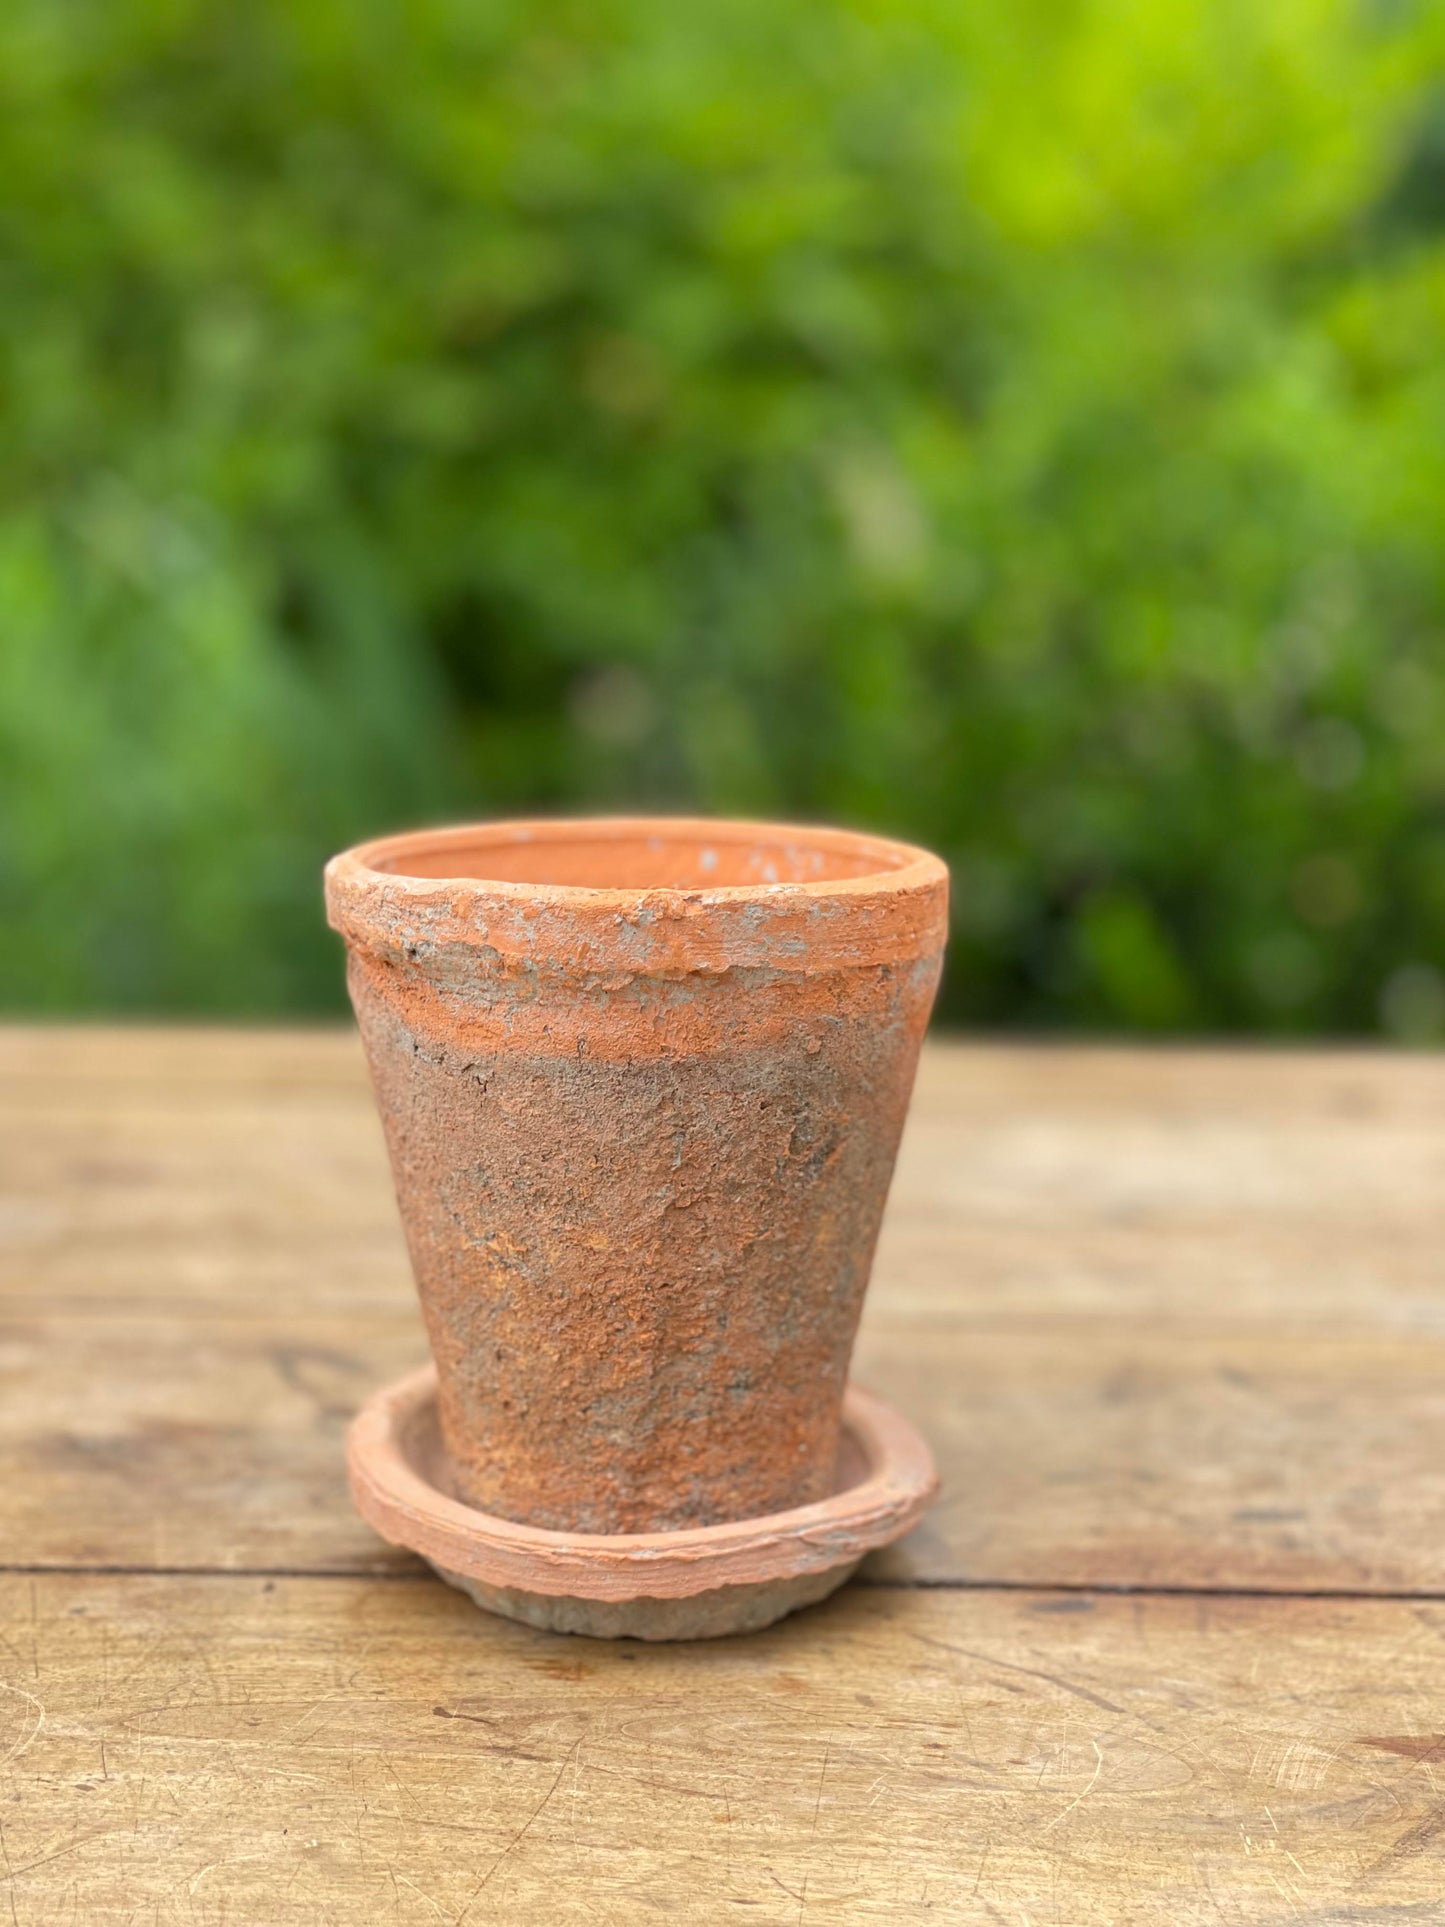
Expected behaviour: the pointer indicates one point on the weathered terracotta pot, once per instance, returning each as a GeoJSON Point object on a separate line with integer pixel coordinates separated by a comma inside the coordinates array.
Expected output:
{"type": "Point", "coordinates": [642, 1084]}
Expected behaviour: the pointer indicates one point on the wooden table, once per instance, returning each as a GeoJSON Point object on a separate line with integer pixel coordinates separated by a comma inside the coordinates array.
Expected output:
{"type": "Point", "coordinates": [1171, 1649]}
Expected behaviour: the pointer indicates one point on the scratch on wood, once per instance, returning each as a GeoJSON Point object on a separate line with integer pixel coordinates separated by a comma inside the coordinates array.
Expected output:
{"type": "Point", "coordinates": [1412, 1842]}
{"type": "Point", "coordinates": [26, 1740]}
{"type": "Point", "coordinates": [395, 1877]}
{"type": "Point", "coordinates": [1094, 1781]}
{"type": "Point", "coordinates": [1284, 1893]}
{"type": "Point", "coordinates": [521, 1832]}
{"type": "Point", "coordinates": [1033, 1672]}
{"type": "Point", "coordinates": [818, 1803]}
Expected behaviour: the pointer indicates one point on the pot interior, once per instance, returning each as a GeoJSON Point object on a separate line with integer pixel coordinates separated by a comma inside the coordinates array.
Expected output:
{"type": "Point", "coordinates": [706, 856]}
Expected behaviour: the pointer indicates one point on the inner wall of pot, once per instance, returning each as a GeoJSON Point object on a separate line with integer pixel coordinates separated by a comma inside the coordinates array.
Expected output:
{"type": "Point", "coordinates": [705, 859]}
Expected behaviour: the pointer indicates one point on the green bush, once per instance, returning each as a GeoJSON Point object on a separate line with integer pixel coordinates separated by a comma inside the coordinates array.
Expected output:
{"type": "Point", "coordinates": [1021, 428]}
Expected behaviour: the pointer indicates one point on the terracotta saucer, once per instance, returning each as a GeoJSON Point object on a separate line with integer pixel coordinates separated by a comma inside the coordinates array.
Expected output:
{"type": "Point", "coordinates": [694, 1584]}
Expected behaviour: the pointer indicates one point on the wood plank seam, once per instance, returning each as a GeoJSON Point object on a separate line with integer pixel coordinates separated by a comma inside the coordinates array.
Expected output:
{"type": "Point", "coordinates": [884, 1583]}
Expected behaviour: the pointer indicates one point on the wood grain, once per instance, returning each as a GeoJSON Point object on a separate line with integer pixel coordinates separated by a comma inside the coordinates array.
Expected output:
{"type": "Point", "coordinates": [1169, 1318]}
{"type": "Point", "coordinates": [301, 1750]}
{"type": "Point", "coordinates": [1173, 1320]}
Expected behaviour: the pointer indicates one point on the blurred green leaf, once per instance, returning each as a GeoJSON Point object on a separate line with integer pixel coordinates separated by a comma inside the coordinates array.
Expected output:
{"type": "Point", "coordinates": [1021, 429]}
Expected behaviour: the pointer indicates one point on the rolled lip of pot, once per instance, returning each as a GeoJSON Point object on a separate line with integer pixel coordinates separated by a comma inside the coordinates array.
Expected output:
{"type": "Point", "coordinates": [629, 894]}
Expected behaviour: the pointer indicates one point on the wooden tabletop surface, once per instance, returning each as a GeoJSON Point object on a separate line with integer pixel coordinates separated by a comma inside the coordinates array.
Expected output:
{"type": "Point", "coordinates": [1170, 1649]}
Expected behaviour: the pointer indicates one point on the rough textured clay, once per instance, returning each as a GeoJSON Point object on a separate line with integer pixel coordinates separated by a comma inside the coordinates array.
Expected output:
{"type": "Point", "coordinates": [642, 1084]}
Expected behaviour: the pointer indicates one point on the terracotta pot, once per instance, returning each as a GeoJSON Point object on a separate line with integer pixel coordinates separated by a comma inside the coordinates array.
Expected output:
{"type": "Point", "coordinates": [642, 1085]}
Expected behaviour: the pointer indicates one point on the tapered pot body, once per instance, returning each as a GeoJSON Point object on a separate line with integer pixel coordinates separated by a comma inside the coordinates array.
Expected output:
{"type": "Point", "coordinates": [642, 1083]}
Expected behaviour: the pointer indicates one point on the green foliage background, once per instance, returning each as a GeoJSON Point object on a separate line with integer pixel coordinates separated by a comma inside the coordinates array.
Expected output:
{"type": "Point", "coordinates": [1019, 427]}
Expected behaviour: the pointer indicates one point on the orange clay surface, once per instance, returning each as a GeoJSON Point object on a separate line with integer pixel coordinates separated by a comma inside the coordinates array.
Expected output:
{"type": "Point", "coordinates": [642, 1083]}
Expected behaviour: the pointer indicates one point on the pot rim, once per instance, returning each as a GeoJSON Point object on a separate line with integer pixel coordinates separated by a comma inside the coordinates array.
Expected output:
{"type": "Point", "coordinates": [896, 912]}
{"type": "Point", "coordinates": [901, 867]}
